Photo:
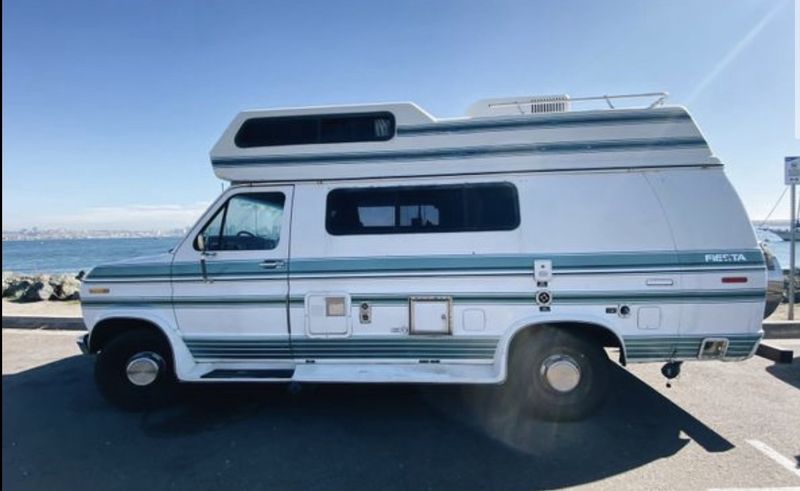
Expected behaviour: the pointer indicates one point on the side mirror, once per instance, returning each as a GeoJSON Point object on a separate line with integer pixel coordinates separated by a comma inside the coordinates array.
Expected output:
{"type": "Point", "coordinates": [201, 243]}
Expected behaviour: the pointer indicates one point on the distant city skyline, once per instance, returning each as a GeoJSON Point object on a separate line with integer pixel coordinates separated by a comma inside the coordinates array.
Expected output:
{"type": "Point", "coordinates": [50, 234]}
{"type": "Point", "coordinates": [110, 109]}
{"type": "Point", "coordinates": [123, 218]}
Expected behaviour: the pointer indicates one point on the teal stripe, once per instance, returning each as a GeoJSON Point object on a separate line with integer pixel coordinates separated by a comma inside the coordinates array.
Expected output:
{"type": "Point", "coordinates": [279, 301]}
{"type": "Point", "coordinates": [525, 262]}
{"type": "Point", "coordinates": [559, 297]}
{"type": "Point", "coordinates": [222, 268]}
{"type": "Point", "coordinates": [441, 264]}
{"type": "Point", "coordinates": [383, 347]}
{"type": "Point", "coordinates": [669, 115]}
{"type": "Point", "coordinates": [681, 296]}
{"type": "Point", "coordinates": [184, 269]}
{"type": "Point", "coordinates": [645, 347]}
{"type": "Point", "coordinates": [128, 271]}
{"type": "Point", "coordinates": [589, 146]}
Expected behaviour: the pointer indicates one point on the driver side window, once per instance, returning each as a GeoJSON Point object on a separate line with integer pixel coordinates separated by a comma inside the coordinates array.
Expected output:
{"type": "Point", "coordinates": [247, 222]}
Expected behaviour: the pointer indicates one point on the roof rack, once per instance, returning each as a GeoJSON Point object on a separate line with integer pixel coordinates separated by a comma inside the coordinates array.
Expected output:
{"type": "Point", "coordinates": [556, 103]}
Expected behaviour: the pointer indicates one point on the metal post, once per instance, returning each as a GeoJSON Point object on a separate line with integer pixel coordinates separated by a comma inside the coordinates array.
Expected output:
{"type": "Point", "coordinates": [791, 256]}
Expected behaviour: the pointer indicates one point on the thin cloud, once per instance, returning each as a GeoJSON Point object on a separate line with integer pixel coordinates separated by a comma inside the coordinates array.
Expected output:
{"type": "Point", "coordinates": [130, 217]}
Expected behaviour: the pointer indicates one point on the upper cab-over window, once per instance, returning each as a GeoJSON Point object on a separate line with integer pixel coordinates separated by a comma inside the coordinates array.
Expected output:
{"type": "Point", "coordinates": [315, 129]}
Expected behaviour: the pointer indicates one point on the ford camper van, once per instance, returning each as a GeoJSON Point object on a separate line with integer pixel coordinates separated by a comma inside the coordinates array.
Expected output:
{"type": "Point", "coordinates": [524, 245]}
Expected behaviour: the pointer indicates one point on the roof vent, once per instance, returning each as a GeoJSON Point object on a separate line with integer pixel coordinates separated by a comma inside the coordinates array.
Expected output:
{"type": "Point", "coordinates": [511, 106]}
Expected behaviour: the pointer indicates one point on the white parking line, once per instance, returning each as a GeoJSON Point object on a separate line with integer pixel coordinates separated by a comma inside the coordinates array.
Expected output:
{"type": "Point", "coordinates": [48, 332]}
{"type": "Point", "coordinates": [792, 488]}
{"type": "Point", "coordinates": [774, 455]}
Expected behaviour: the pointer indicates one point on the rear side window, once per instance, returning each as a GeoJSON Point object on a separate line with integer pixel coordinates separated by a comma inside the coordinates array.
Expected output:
{"type": "Point", "coordinates": [422, 209]}
{"type": "Point", "coordinates": [314, 129]}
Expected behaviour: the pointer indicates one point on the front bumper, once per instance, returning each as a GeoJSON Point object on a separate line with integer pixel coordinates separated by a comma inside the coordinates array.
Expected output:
{"type": "Point", "coordinates": [83, 343]}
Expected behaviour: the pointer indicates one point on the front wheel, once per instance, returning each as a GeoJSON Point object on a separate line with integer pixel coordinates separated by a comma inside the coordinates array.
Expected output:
{"type": "Point", "coordinates": [557, 375]}
{"type": "Point", "coordinates": [134, 371]}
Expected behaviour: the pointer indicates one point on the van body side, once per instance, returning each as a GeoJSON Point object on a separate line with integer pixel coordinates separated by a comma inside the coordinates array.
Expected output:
{"type": "Point", "coordinates": [387, 260]}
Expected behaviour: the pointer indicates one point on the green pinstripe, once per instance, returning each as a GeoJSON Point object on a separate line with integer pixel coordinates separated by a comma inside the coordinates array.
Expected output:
{"type": "Point", "coordinates": [564, 120]}
{"type": "Point", "coordinates": [655, 347]}
{"type": "Point", "coordinates": [449, 347]}
{"type": "Point", "coordinates": [477, 151]}
{"type": "Point", "coordinates": [668, 261]}
{"type": "Point", "coordinates": [559, 298]}
{"type": "Point", "coordinates": [373, 347]}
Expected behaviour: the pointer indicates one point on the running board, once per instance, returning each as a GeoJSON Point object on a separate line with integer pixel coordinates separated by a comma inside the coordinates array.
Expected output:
{"type": "Point", "coordinates": [227, 373]}
{"type": "Point", "coordinates": [441, 373]}
{"type": "Point", "coordinates": [450, 373]}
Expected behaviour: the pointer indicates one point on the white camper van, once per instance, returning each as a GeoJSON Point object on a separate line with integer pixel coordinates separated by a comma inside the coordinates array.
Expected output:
{"type": "Point", "coordinates": [376, 243]}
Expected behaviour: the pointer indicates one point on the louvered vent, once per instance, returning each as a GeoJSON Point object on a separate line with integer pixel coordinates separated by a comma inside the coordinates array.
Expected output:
{"type": "Point", "coordinates": [550, 104]}
{"type": "Point", "coordinates": [509, 106]}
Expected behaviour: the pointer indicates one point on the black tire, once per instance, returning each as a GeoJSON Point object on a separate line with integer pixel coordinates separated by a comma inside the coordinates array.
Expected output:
{"type": "Point", "coordinates": [113, 382]}
{"type": "Point", "coordinates": [529, 386]}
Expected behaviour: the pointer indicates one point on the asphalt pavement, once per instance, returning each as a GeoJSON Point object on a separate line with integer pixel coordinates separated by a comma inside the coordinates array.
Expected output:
{"type": "Point", "coordinates": [720, 426]}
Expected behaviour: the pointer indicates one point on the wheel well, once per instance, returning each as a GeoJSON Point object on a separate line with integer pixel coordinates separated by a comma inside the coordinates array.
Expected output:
{"type": "Point", "coordinates": [108, 329]}
{"type": "Point", "coordinates": [594, 333]}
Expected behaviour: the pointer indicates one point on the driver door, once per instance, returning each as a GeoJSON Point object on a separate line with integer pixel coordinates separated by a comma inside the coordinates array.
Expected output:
{"type": "Point", "coordinates": [230, 280]}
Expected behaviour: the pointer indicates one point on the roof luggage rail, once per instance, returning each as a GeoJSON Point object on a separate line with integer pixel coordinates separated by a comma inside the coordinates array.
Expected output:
{"type": "Point", "coordinates": [557, 103]}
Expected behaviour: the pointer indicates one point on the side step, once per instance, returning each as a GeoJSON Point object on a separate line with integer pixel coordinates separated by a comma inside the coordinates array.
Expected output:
{"type": "Point", "coordinates": [227, 373]}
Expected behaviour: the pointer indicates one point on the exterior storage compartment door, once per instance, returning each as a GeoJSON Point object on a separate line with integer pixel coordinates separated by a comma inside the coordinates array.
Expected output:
{"type": "Point", "coordinates": [429, 315]}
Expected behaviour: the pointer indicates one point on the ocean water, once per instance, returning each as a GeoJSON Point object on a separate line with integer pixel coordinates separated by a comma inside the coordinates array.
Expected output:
{"type": "Point", "coordinates": [781, 248]}
{"type": "Point", "coordinates": [73, 255]}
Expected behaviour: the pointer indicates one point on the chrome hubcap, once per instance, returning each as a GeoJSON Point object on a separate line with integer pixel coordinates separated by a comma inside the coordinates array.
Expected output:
{"type": "Point", "coordinates": [143, 368]}
{"type": "Point", "coordinates": [561, 372]}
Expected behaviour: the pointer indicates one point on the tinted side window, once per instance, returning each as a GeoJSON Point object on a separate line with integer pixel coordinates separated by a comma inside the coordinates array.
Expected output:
{"type": "Point", "coordinates": [422, 209]}
{"type": "Point", "coordinates": [247, 222]}
{"type": "Point", "coordinates": [308, 130]}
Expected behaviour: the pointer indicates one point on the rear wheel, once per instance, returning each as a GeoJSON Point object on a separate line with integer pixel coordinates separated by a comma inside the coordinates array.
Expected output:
{"type": "Point", "coordinates": [134, 371]}
{"type": "Point", "coordinates": [557, 375]}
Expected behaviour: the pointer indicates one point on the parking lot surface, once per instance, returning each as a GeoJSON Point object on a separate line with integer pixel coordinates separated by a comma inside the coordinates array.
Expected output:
{"type": "Point", "coordinates": [720, 426]}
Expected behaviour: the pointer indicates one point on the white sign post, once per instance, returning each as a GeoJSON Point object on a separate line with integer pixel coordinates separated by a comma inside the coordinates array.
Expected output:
{"type": "Point", "coordinates": [792, 178]}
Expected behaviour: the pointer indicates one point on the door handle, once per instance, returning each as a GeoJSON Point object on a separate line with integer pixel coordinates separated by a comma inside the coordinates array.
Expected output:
{"type": "Point", "coordinates": [659, 282]}
{"type": "Point", "coordinates": [204, 269]}
{"type": "Point", "coordinates": [270, 264]}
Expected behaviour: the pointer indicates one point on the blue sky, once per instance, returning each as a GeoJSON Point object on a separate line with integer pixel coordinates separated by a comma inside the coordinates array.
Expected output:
{"type": "Point", "coordinates": [110, 108]}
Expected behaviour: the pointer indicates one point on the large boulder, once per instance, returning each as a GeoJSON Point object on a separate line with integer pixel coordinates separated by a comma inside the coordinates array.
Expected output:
{"type": "Point", "coordinates": [15, 287]}
{"type": "Point", "coordinates": [8, 277]}
{"type": "Point", "coordinates": [65, 287]}
{"type": "Point", "coordinates": [38, 291]}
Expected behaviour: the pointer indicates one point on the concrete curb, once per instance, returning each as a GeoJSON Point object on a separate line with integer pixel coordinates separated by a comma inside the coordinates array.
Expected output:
{"type": "Point", "coordinates": [781, 330]}
{"type": "Point", "coordinates": [55, 323]}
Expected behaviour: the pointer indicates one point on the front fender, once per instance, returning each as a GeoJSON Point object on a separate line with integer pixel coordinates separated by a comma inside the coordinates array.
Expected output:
{"type": "Point", "coordinates": [164, 321]}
